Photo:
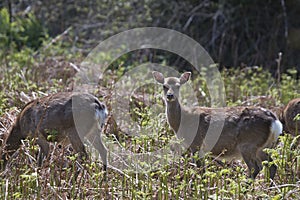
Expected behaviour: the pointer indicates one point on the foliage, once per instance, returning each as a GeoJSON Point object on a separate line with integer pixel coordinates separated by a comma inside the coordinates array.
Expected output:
{"type": "Point", "coordinates": [23, 31]}
{"type": "Point", "coordinates": [233, 32]}
{"type": "Point", "coordinates": [61, 177]}
{"type": "Point", "coordinates": [36, 65]}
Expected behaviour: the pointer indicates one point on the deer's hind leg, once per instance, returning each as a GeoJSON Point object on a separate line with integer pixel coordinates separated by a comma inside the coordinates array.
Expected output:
{"type": "Point", "coordinates": [95, 138]}
{"type": "Point", "coordinates": [11, 145]}
{"type": "Point", "coordinates": [77, 143]}
{"type": "Point", "coordinates": [265, 157]}
{"type": "Point", "coordinates": [249, 154]}
{"type": "Point", "coordinates": [44, 145]}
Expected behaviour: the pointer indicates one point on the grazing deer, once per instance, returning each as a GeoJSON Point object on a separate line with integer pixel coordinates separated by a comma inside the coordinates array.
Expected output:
{"type": "Point", "coordinates": [246, 131]}
{"type": "Point", "coordinates": [290, 124]}
{"type": "Point", "coordinates": [62, 117]}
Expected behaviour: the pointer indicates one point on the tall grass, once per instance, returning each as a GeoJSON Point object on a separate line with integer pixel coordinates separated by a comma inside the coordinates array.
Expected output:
{"type": "Point", "coordinates": [62, 177]}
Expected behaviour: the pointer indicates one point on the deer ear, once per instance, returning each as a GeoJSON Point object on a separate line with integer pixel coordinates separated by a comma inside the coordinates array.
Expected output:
{"type": "Point", "coordinates": [185, 77]}
{"type": "Point", "coordinates": [159, 77]}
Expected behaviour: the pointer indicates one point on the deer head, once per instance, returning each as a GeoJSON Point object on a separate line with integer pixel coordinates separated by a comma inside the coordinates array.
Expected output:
{"type": "Point", "coordinates": [171, 85]}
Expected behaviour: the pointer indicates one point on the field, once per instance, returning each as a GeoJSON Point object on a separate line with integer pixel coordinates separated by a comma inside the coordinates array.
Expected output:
{"type": "Point", "coordinates": [61, 177]}
{"type": "Point", "coordinates": [34, 64]}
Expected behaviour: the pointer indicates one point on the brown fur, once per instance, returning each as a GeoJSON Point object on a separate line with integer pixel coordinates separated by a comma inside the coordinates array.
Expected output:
{"type": "Point", "coordinates": [53, 116]}
{"type": "Point", "coordinates": [288, 117]}
{"type": "Point", "coordinates": [246, 131]}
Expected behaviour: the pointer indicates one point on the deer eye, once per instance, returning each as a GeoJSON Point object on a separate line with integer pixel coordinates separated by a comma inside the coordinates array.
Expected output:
{"type": "Point", "coordinates": [165, 87]}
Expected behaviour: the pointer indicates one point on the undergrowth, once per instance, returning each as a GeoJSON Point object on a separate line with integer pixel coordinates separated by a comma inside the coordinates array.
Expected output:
{"type": "Point", "coordinates": [62, 177]}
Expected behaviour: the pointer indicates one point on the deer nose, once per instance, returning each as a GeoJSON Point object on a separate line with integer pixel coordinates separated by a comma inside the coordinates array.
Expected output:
{"type": "Point", "coordinates": [170, 96]}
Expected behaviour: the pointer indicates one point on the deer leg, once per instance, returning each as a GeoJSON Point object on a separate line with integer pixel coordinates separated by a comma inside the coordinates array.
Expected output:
{"type": "Point", "coordinates": [250, 158]}
{"type": "Point", "coordinates": [77, 144]}
{"type": "Point", "coordinates": [200, 161]}
{"type": "Point", "coordinates": [12, 144]}
{"type": "Point", "coordinates": [44, 145]}
{"type": "Point", "coordinates": [273, 168]}
{"type": "Point", "coordinates": [96, 141]}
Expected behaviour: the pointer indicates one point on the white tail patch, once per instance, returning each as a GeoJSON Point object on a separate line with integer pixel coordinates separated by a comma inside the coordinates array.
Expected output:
{"type": "Point", "coordinates": [101, 115]}
{"type": "Point", "coordinates": [276, 130]}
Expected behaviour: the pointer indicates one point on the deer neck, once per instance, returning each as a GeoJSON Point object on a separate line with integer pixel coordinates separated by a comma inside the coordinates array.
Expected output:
{"type": "Point", "coordinates": [173, 111]}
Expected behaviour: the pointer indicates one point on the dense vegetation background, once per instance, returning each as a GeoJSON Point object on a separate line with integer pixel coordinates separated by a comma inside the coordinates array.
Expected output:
{"type": "Point", "coordinates": [256, 44]}
{"type": "Point", "coordinates": [233, 32]}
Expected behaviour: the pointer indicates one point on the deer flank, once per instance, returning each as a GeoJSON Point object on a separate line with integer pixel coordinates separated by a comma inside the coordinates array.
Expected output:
{"type": "Point", "coordinates": [291, 124]}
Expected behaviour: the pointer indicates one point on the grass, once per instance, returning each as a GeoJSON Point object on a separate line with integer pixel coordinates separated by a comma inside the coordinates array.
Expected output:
{"type": "Point", "coordinates": [62, 177]}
